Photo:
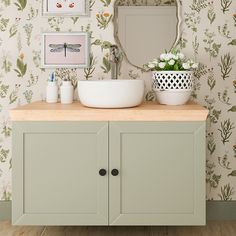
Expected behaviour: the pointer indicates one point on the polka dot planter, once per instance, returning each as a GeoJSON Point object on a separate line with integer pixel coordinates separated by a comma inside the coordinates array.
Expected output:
{"type": "Point", "coordinates": [172, 87]}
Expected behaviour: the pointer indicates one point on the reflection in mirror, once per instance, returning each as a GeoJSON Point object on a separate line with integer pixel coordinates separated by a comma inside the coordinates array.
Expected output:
{"type": "Point", "coordinates": [145, 28]}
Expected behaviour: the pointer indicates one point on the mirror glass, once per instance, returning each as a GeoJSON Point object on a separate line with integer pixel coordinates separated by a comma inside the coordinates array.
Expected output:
{"type": "Point", "coordinates": [145, 28]}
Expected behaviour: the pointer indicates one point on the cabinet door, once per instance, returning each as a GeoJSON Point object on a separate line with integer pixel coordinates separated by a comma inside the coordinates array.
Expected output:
{"type": "Point", "coordinates": [56, 177]}
{"type": "Point", "coordinates": [161, 177]}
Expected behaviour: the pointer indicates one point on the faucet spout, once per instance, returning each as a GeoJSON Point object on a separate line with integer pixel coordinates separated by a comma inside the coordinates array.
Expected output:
{"type": "Point", "coordinates": [114, 60]}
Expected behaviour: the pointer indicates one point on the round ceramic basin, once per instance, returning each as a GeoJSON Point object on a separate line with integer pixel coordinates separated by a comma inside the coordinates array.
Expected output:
{"type": "Point", "coordinates": [111, 93]}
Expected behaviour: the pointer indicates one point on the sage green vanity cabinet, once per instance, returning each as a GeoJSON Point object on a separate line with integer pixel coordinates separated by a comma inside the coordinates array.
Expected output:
{"type": "Point", "coordinates": [153, 173]}
{"type": "Point", "coordinates": [55, 173]}
{"type": "Point", "coordinates": [162, 173]}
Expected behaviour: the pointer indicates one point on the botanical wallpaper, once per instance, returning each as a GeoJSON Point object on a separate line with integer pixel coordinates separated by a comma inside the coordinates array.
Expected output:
{"type": "Point", "coordinates": [209, 35]}
{"type": "Point", "coordinates": [145, 2]}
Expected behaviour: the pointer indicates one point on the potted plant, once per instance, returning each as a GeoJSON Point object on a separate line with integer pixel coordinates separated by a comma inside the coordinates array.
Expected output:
{"type": "Point", "coordinates": [172, 77]}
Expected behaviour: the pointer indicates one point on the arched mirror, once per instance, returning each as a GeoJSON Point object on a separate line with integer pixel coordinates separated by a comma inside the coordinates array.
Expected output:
{"type": "Point", "coordinates": [145, 28]}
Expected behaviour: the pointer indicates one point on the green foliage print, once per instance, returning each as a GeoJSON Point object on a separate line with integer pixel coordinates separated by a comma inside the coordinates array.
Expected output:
{"type": "Point", "coordinates": [14, 94]}
{"type": "Point", "coordinates": [6, 2]}
{"type": "Point", "coordinates": [224, 161]}
{"type": "Point", "coordinates": [133, 75]}
{"type": "Point", "coordinates": [225, 4]}
{"type": "Point", "coordinates": [198, 5]}
{"type": "Point", "coordinates": [211, 15]}
{"type": "Point", "coordinates": [36, 58]}
{"type": "Point", "coordinates": [214, 114]}
{"type": "Point", "coordinates": [226, 130]}
{"type": "Point", "coordinates": [211, 178]}
{"type": "Point", "coordinates": [150, 96]}
{"type": "Point", "coordinates": [6, 64]}
{"type": "Point", "coordinates": [224, 31]}
{"type": "Point", "coordinates": [200, 71]}
{"type": "Point", "coordinates": [3, 23]}
{"type": "Point", "coordinates": [33, 13]}
{"type": "Point", "coordinates": [234, 85]}
{"type": "Point", "coordinates": [211, 81]}
{"type": "Point", "coordinates": [75, 19]}
{"type": "Point", "coordinates": [212, 48]}
{"type": "Point", "coordinates": [226, 192]}
{"type": "Point", "coordinates": [106, 64]}
{"type": "Point", "coordinates": [19, 42]}
{"type": "Point", "coordinates": [6, 130]}
{"type": "Point", "coordinates": [55, 23]}
{"type": "Point", "coordinates": [21, 66]}
{"type": "Point", "coordinates": [28, 95]}
{"type": "Point", "coordinates": [28, 30]}
{"type": "Point", "coordinates": [13, 30]}
{"type": "Point", "coordinates": [33, 80]}
{"type": "Point", "coordinates": [3, 154]}
{"type": "Point", "coordinates": [195, 45]}
{"type": "Point", "coordinates": [182, 43]}
{"type": "Point", "coordinates": [21, 4]}
{"type": "Point", "coordinates": [102, 44]}
{"type": "Point", "coordinates": [91, 3]}
{"type": "Point", "coordinates": [192, 20]}
{"type": "Point", "coordinates": [88, 72]}
{"type": "Point", "coordinates": [3, 90]}
{"type": "Point", "coordinates": [103, 19]}
{"type": "Point", "coordinates": [226, 64]}
{"type": "Point", "coordinates": [233, 42]}
{"type": "Point", "coordinates": [211, 144]}
{"type": "Point", "coordinates": [232, 173]}
{"type": "Point", "coordinates": [224, 97]}
{"type": "Point", "coordinates": [106, 3]}
{"type": "Point", "coordinates": [233, 109]}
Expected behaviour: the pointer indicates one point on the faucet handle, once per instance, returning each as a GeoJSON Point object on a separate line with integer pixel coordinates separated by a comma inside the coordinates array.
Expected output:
{"type": "Point", "coordinates": [114, 54]}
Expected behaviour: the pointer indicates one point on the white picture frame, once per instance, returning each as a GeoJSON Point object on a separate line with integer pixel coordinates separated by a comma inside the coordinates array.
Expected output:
{"type": "Point", "coordinates": [64, 8]}
{"type": "Point", "coordinates": [65, 50]}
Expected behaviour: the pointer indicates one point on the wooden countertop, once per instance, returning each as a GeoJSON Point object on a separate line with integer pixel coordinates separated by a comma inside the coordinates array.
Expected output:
{"type": "Point", "coordinates": [42, 111]}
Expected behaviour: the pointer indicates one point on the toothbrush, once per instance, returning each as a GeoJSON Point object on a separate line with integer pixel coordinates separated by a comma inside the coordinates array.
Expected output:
{"type": "Point", "coordinates": [52, 77]}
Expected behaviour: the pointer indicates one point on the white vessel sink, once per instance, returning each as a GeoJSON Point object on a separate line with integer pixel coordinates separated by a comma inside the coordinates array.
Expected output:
{"type": "Point", "coordinates": [111, 93]}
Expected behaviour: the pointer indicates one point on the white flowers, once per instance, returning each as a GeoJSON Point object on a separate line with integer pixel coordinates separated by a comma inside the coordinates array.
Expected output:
{"type": "Point", "coordinates": [186, 66]}
{"type": "Point", "coordinates": [181, 56]}
{"type": "Point", "coordinates": [151, 65]}
{"type": "Point", "coordinates": [162, 65]}
{"type": "Point", "coordinates": [168, 56]}
{"type": "Point", "coordinates": [190, 64]}
{"type": "Point", "coordinates": [173, 60]}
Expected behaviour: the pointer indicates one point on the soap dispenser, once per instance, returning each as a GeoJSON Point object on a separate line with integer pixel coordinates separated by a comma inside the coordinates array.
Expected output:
{"type": "Point", "coordinates": [67, 92]}
{"type": "Point", "coordinates": [52, 90]}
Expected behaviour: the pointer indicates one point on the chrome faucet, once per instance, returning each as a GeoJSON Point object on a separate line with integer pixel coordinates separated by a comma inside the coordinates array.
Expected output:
{"type": "Point", "coordinates": [114, 60]}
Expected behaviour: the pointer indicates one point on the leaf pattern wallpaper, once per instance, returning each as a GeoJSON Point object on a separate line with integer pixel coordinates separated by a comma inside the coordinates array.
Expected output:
{"type": "Point", "coordinates": [208, 34]}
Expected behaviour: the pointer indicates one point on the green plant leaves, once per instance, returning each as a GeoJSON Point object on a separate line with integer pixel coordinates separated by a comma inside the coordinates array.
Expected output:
{"type": "Point", "coordinates": [233, 173]}
{"type": "Point", "coordinates": [233, 42]}
{"type": "Point", "coordinates": [21, 68]}
{"type": "Point", "coordinates": [106, 65]}
{"type": "Point", "coordinates": [21, 4]}
{"type": "Point", "coordinates": [232, 109]}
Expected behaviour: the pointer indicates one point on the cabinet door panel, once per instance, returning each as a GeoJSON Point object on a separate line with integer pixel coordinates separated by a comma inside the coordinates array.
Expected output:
{"type": "Point", "coordinates": [60, 179]}
{"type": "Point", "coordinates": [161, 177]}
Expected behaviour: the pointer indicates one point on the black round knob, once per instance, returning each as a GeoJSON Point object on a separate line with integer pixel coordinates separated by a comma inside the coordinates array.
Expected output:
{"type": "Point", "coordinates": [115, 172]}
{"type": "Point", "coordinates": [102, 172]}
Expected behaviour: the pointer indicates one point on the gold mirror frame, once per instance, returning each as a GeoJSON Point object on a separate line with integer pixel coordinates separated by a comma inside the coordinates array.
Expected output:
{"type": "Point", "coordinates": [117, 40]}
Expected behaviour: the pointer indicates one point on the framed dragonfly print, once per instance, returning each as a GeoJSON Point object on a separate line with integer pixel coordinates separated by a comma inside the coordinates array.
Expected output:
{"type": "Point", "coordinates": [65, 7]}
{"type": "Point", "coordinates": [65, 50]}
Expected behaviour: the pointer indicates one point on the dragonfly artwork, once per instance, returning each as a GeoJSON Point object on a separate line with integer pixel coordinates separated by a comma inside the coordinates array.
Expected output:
{"type": "Point", "coordinates": [66, 47]}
